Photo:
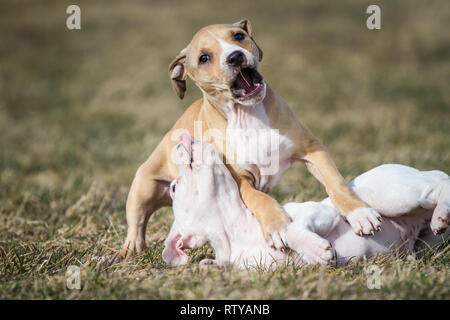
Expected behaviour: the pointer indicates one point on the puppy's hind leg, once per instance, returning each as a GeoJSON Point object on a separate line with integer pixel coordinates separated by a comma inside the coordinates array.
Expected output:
{"type": "Point", "coordinates": [441, 197]}
{"type": "Point", "coordinates": [309, 245]}
{"type": "Point", "coordinates": [439, 220]}
{"type": "Point", "coordinates": [311, 221]}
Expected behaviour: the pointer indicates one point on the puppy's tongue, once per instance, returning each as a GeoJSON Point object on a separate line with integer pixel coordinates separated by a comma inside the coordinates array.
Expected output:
{"type": "Point", "coordinates": [244, 81]}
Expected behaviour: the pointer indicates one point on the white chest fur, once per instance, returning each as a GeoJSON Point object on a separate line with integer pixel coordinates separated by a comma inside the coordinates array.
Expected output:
{"type": "Point", "coordinates": [259, 148]}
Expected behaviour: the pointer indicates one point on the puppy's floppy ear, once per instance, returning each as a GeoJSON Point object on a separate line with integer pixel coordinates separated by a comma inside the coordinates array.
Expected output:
{"type": "Point", "coordinates": [177, 73]}
{"type": "Point", "coordinates": [173, 251]}
{"type": "Point", "coordinates": [247, 27]}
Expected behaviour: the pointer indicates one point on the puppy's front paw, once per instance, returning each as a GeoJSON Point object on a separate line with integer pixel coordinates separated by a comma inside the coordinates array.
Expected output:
{"type": "Point", "coordinates": [364, 221]}
{"type": "Point", "coordinates": [275, 232]}
{"type": "Point", "coordinates": [276, 239]}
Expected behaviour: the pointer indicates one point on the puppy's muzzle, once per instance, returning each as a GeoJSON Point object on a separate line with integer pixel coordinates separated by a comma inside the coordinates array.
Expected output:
{"type": "Point", "coordinates": [236, 59]}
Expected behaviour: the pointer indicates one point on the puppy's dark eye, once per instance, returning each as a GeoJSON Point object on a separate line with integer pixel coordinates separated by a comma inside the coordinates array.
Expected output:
{"type": "Point", "coordinates": [239, 36]}
{"type": "Point", "coordinates": [174, 185]}
{"type": "Point", "coordinates": [204, 58]}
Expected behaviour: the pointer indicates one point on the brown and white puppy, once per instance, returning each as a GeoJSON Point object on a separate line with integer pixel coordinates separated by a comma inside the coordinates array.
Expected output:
{"type": "Point", "coordinates": [238, 113]}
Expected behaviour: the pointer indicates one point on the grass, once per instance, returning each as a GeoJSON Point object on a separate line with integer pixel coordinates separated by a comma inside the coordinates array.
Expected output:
{"type": "Point", "coordinates": [80, 110]}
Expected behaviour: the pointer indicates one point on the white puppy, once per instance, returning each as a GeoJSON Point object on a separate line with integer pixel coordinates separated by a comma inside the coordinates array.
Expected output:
{"type": "Point", "coordinates": [207, 208]}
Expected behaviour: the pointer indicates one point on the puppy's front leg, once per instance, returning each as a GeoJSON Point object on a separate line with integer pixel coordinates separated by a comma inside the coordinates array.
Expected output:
{"type": "Point", "coordinates": [362, 218]}
{"type": "Point", "coordinates": [266, 209]}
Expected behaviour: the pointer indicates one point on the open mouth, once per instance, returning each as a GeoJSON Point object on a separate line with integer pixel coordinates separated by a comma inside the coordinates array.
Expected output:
{"type": "Point", "coordinates": [247, 84]}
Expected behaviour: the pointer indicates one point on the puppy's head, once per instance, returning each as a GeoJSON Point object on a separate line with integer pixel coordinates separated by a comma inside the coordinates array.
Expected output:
{"type": "Point", "coordinates": [196, 198]}
{"type": "Point", "coordinates": [203, 182]}
{"type": "Point", "coordinates": [223, 62]}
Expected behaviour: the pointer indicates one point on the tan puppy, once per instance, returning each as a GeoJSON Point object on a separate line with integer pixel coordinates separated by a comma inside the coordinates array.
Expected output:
{"type": "Point", "coordinates": [222, 60]}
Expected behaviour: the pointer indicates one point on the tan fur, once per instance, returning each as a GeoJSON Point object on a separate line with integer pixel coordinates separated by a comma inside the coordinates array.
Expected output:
{"type": "Point", "coordinates": [149, 190]}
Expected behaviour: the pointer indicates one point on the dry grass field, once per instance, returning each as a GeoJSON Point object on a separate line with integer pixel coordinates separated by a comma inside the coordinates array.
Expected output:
{"type": "Point", "coordinates": [81, 110]}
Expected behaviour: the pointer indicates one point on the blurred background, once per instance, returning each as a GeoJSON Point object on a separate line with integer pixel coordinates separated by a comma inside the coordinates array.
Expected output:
{"type": "Point", "coordinates": [95, 102]}
{"type": "Point", "coordinates": [81, 110]}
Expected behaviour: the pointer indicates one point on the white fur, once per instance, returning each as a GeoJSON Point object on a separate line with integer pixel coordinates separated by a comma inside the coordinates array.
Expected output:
{"type": "Point", "coordinates": [227, 49]}
{"type": "Point", "coordinates": [398, 192]}
{"type": "Point", "coordinates": [259, 148]}
{"type": "Point", "coordinates": [207, 207]}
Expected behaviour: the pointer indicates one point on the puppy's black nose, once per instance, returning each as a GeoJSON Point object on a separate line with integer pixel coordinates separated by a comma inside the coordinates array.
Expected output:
{"type": "Point", "coordinates": [236, 59]}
